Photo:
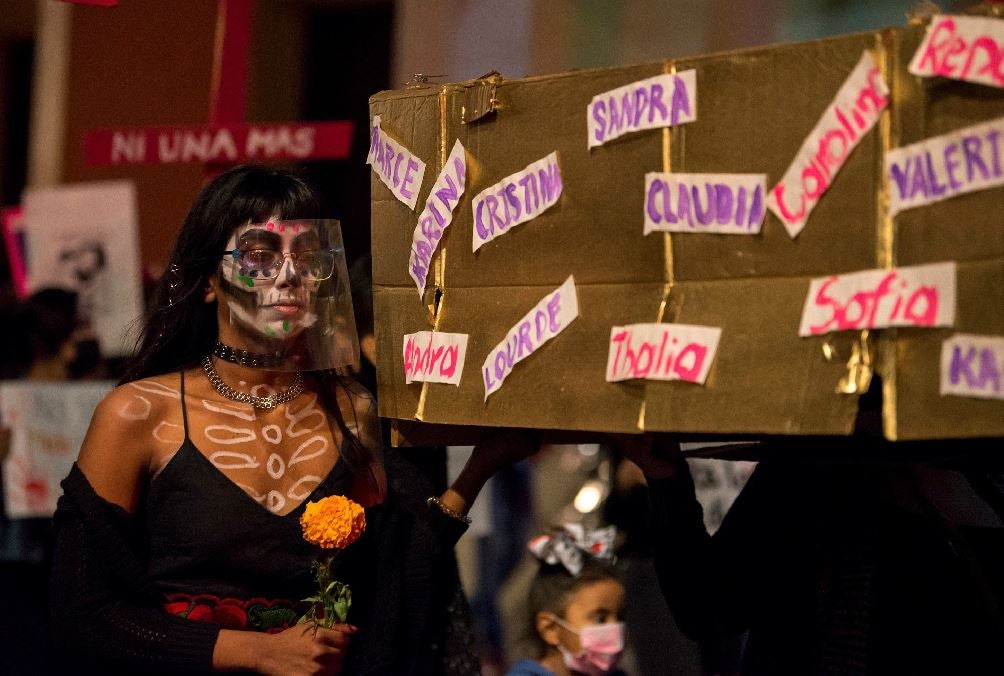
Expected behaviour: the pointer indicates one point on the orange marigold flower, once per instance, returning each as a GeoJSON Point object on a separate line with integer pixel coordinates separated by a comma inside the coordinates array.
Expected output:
{"type": "Point", "coordinates": [334, 522]}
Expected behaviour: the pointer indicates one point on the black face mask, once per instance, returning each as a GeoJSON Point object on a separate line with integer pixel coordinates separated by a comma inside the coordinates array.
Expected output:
{"type": "Point", "coordinates": [88, 358]}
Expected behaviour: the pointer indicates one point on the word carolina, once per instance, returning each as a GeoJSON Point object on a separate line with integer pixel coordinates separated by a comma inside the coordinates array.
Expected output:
{"type": "Point", "coordinates": [516, 199]}
{"type": "Point", "coordinates": [437, 214]}
{"type": "Point", "coordinates": [434, 357]}
{"type": "Point", "coordinates": [660, 101]}
{"type": "Point", "coordinates": [661, 352]}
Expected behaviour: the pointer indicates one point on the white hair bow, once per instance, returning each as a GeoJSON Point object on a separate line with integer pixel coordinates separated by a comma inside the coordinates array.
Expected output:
{"type": "Point", "coordinates": [568, 544]}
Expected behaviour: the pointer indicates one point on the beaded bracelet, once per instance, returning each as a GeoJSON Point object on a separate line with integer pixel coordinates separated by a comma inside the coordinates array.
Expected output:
{"type": "Point", "coordinates": [453, 514]}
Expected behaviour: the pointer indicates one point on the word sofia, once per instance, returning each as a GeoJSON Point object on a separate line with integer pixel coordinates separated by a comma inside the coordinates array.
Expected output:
{"type": "Point", "coordinates": [732, 203]}
{"type": "Point", "coordinates": [937, 168]}
{"type": "Point", "coordinates": [434, 357]}
{"type": "Point", "coordinates": [854, 111]}
{"type": "Point", "coordinates": [922, 295]}
{"type": "Point", "coordinates": [437, 214]}
{"type": "Point", "coordinates": [973, 366]}
{"type": "Point", "coordinates": [546, 320]}
{"type": "Point", "coordinates": [962, 48]}
{"type": "Point", "coordinates": [662, 352]}
{"type": "Point", "coordinates": [516, 199]}
{"type": "Point", "coordinates": [660, 101]}
{"type": "Point", "coordinates": [400, 170]}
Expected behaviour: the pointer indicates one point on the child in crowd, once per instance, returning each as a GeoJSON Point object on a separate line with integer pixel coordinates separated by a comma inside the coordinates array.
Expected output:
{"type": "Point", "coordinates": [575, 605]}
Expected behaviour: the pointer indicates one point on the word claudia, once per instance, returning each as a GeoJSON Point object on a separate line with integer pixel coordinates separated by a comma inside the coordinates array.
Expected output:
{"type": "Point", "coordinates": [937, 168]}
{"type": "Point", "coordinates": [399, 169]}
{"type": "Point", "coordinates": [516, 199]}
{"type": "Point", "coordinates": [660, 101]}
{"type": "Point", "coordinates": [662, 352]}
{"type": "Point", "coordinates": [546, 320]}
{"type": "Point", "coordinates": [962, 48]}
{"type": "Point", "coordinates": [855, 110]}
{"type": "Point", "coordinates": [434, 357]}
{"type": "Point", "coordinates": [732, 203]}
{"type": "Point", "coordinates": [972, 366]}
{"type": "Point", "coordinates": [437, 214]}
{"type": "Point", "coordinates": [921, 295]}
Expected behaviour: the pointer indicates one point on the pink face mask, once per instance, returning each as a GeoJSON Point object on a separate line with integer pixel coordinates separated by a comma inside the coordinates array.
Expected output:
{"type": "Point", "coordinates": [602, 645]}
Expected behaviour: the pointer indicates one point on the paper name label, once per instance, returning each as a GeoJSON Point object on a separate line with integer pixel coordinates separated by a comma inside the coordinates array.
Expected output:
{"type": "Point", "coordinates": [399, 169]}
{"type": "Point", "coordinates": [662, 352]}
{"type": "Point", "coordinates": [434, 357]}
{"type": "Point", "coordinates": [937, 168]}
{"type": "Point", "coordinates": [921, 295]}
{"type": "Point", "coordinates": [660, 101]}
{"type": "Point", "coordinates": [962, 48]}
{"type": "Point", "coordinates": [729, 204]}
{"type": "Point", "coordinates": [855, 110]}
{"type": "Point", "coordinates": [516, 199]}
{"type": "Point", "coordinates": [437, 214]}
{"type": "Point", "coordinates": [546, 320]}
{"type": "Point", "coordinates": [973, 366]}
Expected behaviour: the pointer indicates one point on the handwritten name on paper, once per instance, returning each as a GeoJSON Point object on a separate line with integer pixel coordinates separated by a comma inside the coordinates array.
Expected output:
{"type": "Point", "coordinates": [717, 203]}
{"type": "Point", "coordinates": [662, 352]}
{"type": "Point", "coordinates": [973, 366]}
{"type": "Point", "coordinates": [437, 214]}
{"type": "Point", "coordinates": [660, 101]}
{"type": "Point", "coordinates": [399, 169]}
{"type": "Point", "coordinates": [937, 168]}
{"type": "Point", "coordinates": [920, 295]}
{"type": "Point", "coordinates": [855, 110]}
{"type": "Point", "coordinates": [967, 48]}
{"type": "Point", "coordinates": [516, 199]}
{"type": "Point", "coordinates": [546, 320]}
{"type": "Point", "coordinates": [433, 357]}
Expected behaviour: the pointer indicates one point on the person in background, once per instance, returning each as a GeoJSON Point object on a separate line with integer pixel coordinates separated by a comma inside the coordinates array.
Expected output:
{"type": "Point", "coordinates": [575, 605]}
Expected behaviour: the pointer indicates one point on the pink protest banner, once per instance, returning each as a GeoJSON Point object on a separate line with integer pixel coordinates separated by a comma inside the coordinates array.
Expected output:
{"type": "Point", "coordinates": [661, 101]}
{"type": "Point", "coordinates": [941, 167]}
{"type": "Point", "coordinates": [969, 48]}
{"type": "Point", "coordinates": [662, 352]}
{"type": "Point", "coordinates": [516, 199]}
{"type": "Point", "coordinates": [218, 144]}
{"type": "Point", "coordinates": [545, 321]}
{"type": "Point", "coordinates": [12, 220]}
{"type": "Point", "coordinates": [397, 167]}
{"type": "Point", "coordinates": [973, 366]}
{"type": "Point", "coordinates": [920, 295]}
{"type": "Point", "coordinates": [434, 357]}
{"type": "Point", "coordinates": [727, 204]}
{"type": "Point", "coordinates": [855, 110]}
{"type": "Point", "coordinates": [437, 214]}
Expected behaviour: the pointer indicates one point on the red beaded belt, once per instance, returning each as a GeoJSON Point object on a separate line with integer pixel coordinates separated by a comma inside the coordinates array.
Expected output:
{"type": "Point", "coordinates": [258, 614]}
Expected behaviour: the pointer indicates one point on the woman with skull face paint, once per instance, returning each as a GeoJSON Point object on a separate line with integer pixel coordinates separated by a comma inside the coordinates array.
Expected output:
{"type": "Point", "coordinates": [178, 546]}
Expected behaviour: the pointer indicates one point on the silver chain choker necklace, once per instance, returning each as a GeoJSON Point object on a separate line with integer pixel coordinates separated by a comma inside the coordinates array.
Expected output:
{"type": "Point", "coordinates": [266, 403]}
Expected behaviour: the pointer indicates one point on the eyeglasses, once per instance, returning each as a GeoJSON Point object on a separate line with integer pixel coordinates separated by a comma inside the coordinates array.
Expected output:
{"type": "Point", "coordinates": [264, 264]}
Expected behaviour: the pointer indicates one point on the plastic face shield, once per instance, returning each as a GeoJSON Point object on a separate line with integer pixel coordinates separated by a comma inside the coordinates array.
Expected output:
{"type": "Point", "coordinates": [286, 286]}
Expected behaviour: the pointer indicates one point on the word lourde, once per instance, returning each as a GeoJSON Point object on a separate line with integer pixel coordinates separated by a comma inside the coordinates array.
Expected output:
{"type": "Point", "coordinates": [973, 366]}
{"type": "Point", "coordinates": [437, 214]}
{"type": "Point", "coordinates": [921, 295]}
{"type": "Point", "coordinates": [546, 320]}
{"type": "Point", "coordinates": [399, 169]}
{"type": "Point", "coordinates": [967, 48]}
{"type": "Point", "coordinates": [715, 203]}
{"type": "Point", "coordinates": [516, 199]}
{"type": "Point", "coordinates": [937, 168]}
{"type": "Point", "coordinates": [660, 101]}
{"type": "Point", "coordinates": [434, 357]}
{"type": "Point", "coordinates": [855, 110]}
{"type": "Point", "coordinates": [662, 352]}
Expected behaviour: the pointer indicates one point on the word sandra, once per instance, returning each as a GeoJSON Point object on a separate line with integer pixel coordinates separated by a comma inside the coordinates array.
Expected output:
{"type": "Point", "coordinates": [941, 167]}
{"type": "Point", "coordinates": [437, 215]}
{"type": "Point", "coordinates": [434, 357]}
{"type": "Point", "coordinates": [732, 203]}
{"type": "Point", "coordinates": [854, 111]}
{"type": "Point", "coordinates": [962, 48]}
{"type": "Point", "coordinates": [973, 366]}
{"type": "Point", "coordinates": [546, 320]}
{"type": "Point", "coordinates": [660, 101]}
{"type": "Point", "coordinates": [516, 199]}
{"type": "Point", "coordinates": [922, 295]}
{"type": "Point", "coordinates": [661, 352]}
{"type": "Point", "coordinates": [400, 170]}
